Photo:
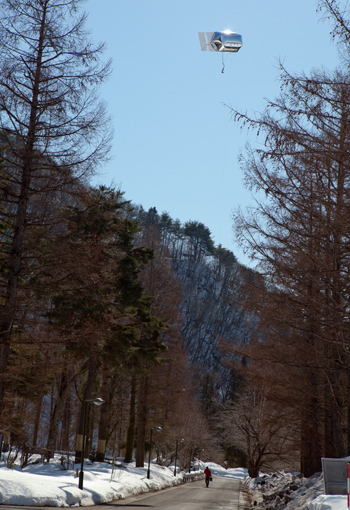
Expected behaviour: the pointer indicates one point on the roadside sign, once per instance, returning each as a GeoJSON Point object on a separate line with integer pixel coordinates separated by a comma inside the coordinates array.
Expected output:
{"type": "Point", "coordinates": [335, 476]}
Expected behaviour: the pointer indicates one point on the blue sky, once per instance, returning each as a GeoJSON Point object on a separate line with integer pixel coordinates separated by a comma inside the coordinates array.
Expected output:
{"type": "Point", "coordinates": [175, 145]}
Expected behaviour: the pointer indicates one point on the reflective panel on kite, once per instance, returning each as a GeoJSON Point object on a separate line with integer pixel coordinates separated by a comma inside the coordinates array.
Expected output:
{"type": "Point", "coordinates": [220, 41]}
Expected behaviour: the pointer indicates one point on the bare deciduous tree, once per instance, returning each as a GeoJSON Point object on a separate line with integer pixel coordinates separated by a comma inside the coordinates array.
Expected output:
{"type": "Point", "coordinates": [260, 428]}
{"type": "Point", "coordinates": [299, 232]}
{"type": "Point", "coordinates": [53, 128]}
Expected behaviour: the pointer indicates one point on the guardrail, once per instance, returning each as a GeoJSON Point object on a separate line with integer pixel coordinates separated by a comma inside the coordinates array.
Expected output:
{"type": "Point", "coordinates": [191, 477]}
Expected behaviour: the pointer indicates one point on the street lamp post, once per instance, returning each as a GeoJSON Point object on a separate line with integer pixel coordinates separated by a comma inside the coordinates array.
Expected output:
{"type": "Point", "coordinates": [97, 402]}
{"type": "Point", "coordinates": [150, 450]}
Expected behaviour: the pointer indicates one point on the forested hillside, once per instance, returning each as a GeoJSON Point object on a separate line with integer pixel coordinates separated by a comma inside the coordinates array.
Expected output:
{"type": "Point", "coordinates": [210, 306]}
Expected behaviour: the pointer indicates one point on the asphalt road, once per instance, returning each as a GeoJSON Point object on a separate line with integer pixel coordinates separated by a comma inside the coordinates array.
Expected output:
{"type": "Point", "coordinates": [222, 494]}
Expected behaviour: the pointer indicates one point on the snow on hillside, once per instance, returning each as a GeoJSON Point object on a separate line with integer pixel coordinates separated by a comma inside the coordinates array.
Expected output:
{"type": "Point", "coordinates": [48, 485]}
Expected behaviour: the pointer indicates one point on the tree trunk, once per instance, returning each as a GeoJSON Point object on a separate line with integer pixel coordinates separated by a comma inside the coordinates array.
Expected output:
{"type": "Point", "coordinates": [62, 393]}
{"type": "Point", "coordinates": [334, 438]}
{"type": "Point", "coordinates": [66, 422]}
{"type": "Point", "coordinates": [102, 429]}
{"type": "Point", "coordinates": [130, 437]}
{"type": "Point", "coordinates": [141, 422]}
{"type": "Point", "coordinates": [348, 412]}
{"type": "Point", "coordinates": [37, 419]}
{"type": "Point", "coordinates": [87, 396]}
{"type": "Point", "coordinates": [310, 447]}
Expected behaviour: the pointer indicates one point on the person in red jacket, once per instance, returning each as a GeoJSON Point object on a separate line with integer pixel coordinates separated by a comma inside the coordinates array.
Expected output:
{"type": "Point", "coordinates": [207, 473]}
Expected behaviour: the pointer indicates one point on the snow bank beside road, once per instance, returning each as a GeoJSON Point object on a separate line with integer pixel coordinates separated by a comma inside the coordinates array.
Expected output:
{"type": "Point", "coordinates": [49, 485]}
{"type": "Point", "coordinates": [217, 470]}
{"type": "Point", "coordinates": [289, 491]}
{"type": "Point", "coordinates": [328, 503]}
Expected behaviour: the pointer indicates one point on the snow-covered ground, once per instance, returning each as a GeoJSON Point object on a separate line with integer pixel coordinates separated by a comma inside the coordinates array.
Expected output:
{"type": "Point", "coordinates": [49, 485]}
{"type": "Point", "coordinates": [289, 491]}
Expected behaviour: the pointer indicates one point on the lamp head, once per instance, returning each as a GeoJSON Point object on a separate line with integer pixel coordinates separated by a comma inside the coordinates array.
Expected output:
{"type": "Point", "coordinates": [98, 401]}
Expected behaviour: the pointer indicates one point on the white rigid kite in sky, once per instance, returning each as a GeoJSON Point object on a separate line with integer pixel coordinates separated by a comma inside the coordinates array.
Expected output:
{"type": "Point", "coordinates": [220, 41]}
